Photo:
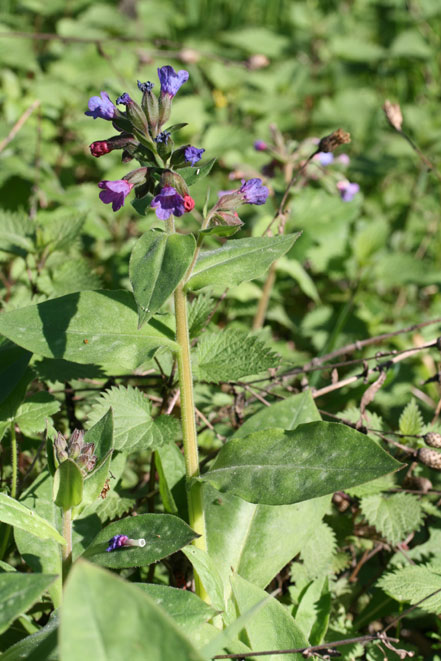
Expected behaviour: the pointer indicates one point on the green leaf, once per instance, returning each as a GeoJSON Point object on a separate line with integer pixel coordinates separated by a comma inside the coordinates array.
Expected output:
{"type": "Point", "coordinates": [133, 423]}
{"type": "Point", "coordinates": [60, 229]}
{"type": "Point", "coordinates": [101, 435]}
{"type": "Point", "coordinates": [238, 260]}
{"type": "Point", "coordinates": [206, 569]}
{"type": "Point", "coordinates": [18, 592]}
{"type": "Point", "coordinates": [164, 534]}
{"type": "Point", "coordinates": [40, 557]}
{"type": "Point", "coordinates": [40, 646]}
{"type": "Point", "coordinates": [170, 464]}
{"type": "Point", "coordinates": [411, 420]}
{"type": "Point", "coordinates": [16, 514]}
{"type": "Point", "coordinates": [13, 364]}
{"type": "Point", "coordinates": [312, 614]}
{"type": "Point", "coordinates": [68, 485]}
{"type": "Point", "coordinates": [185, 608]}
{"type": "Point", "coordinates": [272, 627]}
{"type": "Point", "coordinates": [287, 414]}
{"type": "Point", "coordinates": [193, 174]}
{"type": "Point", "coordinates": [157, 265]}
{"type": "Point", "coordinates": [318, 550]}
{"type": "Point", "coordinates": [107, 619]}
{"type": "Point", "coordinates": [33, 413]}
{"type": "Point", "coordinates": [393, 516]}
{"type": "Point", "coordinates": [231, 355]}
{"type": "Point", "coordinates": [413, 583]}
{"type": "Point", "coordinates": [277, 467]}
{"type": "Point", "coordinates": [17, 233]}
{"type": "Point", "coordinates": [198, 313]}
{"type": "Point", "coordinates": [236, 528]}
{"type": "Point", "coordinates": [87, 327]}
{"type": "Point", "coordinates": [221, 230]}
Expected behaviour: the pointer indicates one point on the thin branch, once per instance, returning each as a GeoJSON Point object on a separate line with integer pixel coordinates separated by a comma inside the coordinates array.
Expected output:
{"type": "Point", "coordinates": [408, 610]}
{"type": "Point", "coordinates": [18, 124]}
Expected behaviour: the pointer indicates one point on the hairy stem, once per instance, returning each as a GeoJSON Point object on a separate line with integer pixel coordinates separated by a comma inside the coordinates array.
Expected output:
{"type": "Point", "coordinates": [259, 318]}
{"type": "Point", "coordinates": [67, 548]}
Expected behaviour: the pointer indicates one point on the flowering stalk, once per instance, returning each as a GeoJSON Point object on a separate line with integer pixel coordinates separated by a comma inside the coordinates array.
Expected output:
{"type": "Point", "coordinates": [188, 420]}
{"type": "Point", "coordinates": [67, 548]}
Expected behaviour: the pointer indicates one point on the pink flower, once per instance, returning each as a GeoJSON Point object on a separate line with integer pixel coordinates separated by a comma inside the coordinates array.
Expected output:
{"type": "Point", "coordinates": [115, 192]}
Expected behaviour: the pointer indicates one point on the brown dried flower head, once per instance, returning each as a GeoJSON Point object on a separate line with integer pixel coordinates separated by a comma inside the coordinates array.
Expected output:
{"type": "Point", "coordinates": [393, 114]}
{"type": "Point", "coordinates": [334, 140]}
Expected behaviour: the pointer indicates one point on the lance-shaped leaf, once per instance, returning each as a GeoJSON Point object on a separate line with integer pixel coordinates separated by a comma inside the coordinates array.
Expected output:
{"type": "Point", "coordinates": [16, 514]}
{"type": "Point", "coordinates": [107, 619]}
{"type": "Point", "coordinates": [87, 327]}
{"type": "Point", "coordinates": [157, 265]}
{"type": "Point", "coordinates": [276, 467]}
{"type": "Point", "coordinates": [238, 260]}
{"type": "Point", "coordinates": [18, 592]}
{"type": "Point", "coordinates": [164, 534]}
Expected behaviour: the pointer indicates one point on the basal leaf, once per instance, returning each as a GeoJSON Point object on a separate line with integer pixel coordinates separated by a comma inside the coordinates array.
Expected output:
{"type": "Point", "coordinates": [18, 592]}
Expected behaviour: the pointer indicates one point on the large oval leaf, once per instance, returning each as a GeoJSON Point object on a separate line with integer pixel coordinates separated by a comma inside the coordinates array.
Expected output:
{"type": "Point", "coordinates": [164, 534]}
{"type": "Point", "coordinates": [18, 592]}
{"type": "Point", "coordinates": [107, 619]}
{"type": "Point", "coordinates": [276, 467]}
{"type": "Point", "coordinates": [16, 514]}
{"type": "Point", "coordinates": [238, 260]}
{"type": "Point", "coordinates": [157, 265]}
{"type": "Point", "coordinates": [87, 327]}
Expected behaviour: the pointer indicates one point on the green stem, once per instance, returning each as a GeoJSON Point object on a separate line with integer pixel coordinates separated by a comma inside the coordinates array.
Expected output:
{"type": "Point", "coordinates": [7, 529]}
{"type": "Point", "coordinates": [188, 422]}
{"type": "Point", "coordinates": [67, 548]}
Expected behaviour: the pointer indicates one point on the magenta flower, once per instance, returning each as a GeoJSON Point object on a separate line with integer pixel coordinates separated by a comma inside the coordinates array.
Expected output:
{"type": "Point", "coordinates": [101, 107]}
{"type": "Point", "coordinates": [253, 191]}
{"type": "Point", "coordinates": [347, 190]}
{"type": "Point", "coordinates": [167, 203]}
{"type": "Point", "coordinates": [171, 80]}
{"type": "Point", "coordinates": [115, 192]}
{"type": "Point", "coordinates": [344, 159]}
{"type": "Point", "coordinates": [193, 154]}
{"type": "Point", "coordinates": [260, 145]}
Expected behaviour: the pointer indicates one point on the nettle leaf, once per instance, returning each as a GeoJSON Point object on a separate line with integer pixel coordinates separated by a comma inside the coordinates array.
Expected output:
{"type": "Point", "coordinates": [87, 327]}
{"type": "Point", "coordinates": [411, 421]}
{"type": "Point", "coordinates": [18, 592]}
{"type": "Point", "coordinates": [238, 260]}
{"type": "Point", "coordinates": [164, 534]}
{"type": "Point", "coordinates": [107, 619]}
{"type": "Point", "coordinates": [59, 230]}
{"type": "Point", "coordinates": [17, 233]}
{"type": "Point", "coordinates": [393, 516]}
{"type": "Point", "coordinates": [64, 276]}
{"type": "Point", "coordinates": [157, 265]}
{"type": "Point", "coordinates": [198, 313]}
{"type": "Point", "coordinates": [231, 355]}
{"type": "Point", "coordinates": [413, 583]}
{"type": "Point", "coordinates": [134, 427]}
{"type": "Point", "coordinates": [276, 467]}
{"type": "Point", "coordinates": [16, 514]}
{"type": "Point", "coordinates": [32, 414]}
{"type": "Point", "coordinates": [101, 435]}
{"type": "Point", "coordinates": [112, 507]}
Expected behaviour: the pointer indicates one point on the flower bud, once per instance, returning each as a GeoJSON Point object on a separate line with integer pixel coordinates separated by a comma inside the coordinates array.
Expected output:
{"type": "Point", "coordinates": [165, 104]}
{"type": "Point", "coordinates": [150, 106]}
{"type": "Point", "coordinates": [228, 218]}
{"type": "Point", "coordinates": [60, 445]}
{"type": "Point", "coordinates": [433, 439]}
{"type": "Point", "coordinates": [76, 443]}
{"type": "Point", "coordinates": [333, 140]}
{"type": "Point", "coordinates": [430, 458]}
{"type": "Point", "coordinates": [188, 203]}
{"type": "Point", "coordinates": [137, 176]}
{"type": "Point", "coordinates": [393, 115]}
{"type": "Point", "coordinates": [135, 114]}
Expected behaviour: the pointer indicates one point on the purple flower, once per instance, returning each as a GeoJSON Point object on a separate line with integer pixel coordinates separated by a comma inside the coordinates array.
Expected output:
{"type": "Point", "coordinates": [168, 203]}
{"type": "Point", "coordinates": [344, 159]}
{"type": "Point", "coordinates": [115, 192]}
{"type": "Point", "coordinates": [260, 145]}
{"type": "Point", "coordinates": [117, 542]}
{"type": "Point", "coordinates": [347, 190]}
{"type": "Point", "coordinates": [324, 158]}
{"type": "Point", "coordinates": [124, 99]}
{"type": "Point", "coordinates": [170, 80]}
{"type": "Point", "coordinates": [253, 192]}
{"type": "Point", "coordinates": [101, 107]}
{"type": "Point", "coordinates": [145, 87]}
{"type": "Point", "coordinates": [193, 154]}
{"type": "Point", "coordinates": [162, 137]}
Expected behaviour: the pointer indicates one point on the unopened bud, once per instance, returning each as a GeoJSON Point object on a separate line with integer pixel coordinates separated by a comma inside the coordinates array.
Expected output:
{"type": "Point", "coordinates": [393, 115]}
{"type": "Point", "coordinates": [433, 439]}
{"type": "Point", "coordinates": [165, 104]}
{"type": "Point", "coordinates": [173, 179]}
{"type": "Point", "coordinates": [430, 458]}
{"type": "Point", "coordinates": [135, 114]}
{"type": "Point", "coordinates": [136, 177]}
{"type": "Point", "coordinates": [334, 140]}
{"type": "Point", "coordinates": [228, 218]}
{"type": "Point", "coordinates": [150, 106]}
{"type": "Point", "coordinates": [76, 443]}
{"type": "Point", "coordinates": [60, 445]}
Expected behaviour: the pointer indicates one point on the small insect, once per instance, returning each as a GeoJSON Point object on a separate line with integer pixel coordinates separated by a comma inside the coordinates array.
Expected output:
{"type": "Point", "coordinates": [105, 489]}
{"type": "Point", "coordinates": [85, 341]}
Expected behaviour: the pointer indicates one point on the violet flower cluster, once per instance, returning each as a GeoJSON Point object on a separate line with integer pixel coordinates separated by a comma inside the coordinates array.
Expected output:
{"type": "Point", "coordinates": [142, 136]}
